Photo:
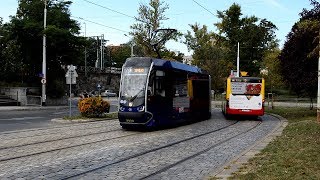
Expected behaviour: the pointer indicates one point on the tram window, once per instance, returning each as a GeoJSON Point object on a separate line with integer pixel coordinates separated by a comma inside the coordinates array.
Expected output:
{"type": "Point", "coordinates": [180, 88]}
{"type": "Point", "coordinates": [150, 92]}
{"type": "Point", "coordinates": [159, 84]}
{"type": "Point", "coordinates": [159, 87]}
{"type": "Point", "coordinates": [200, 89]}
{"type": "Point", "coordinates": [160, 73]}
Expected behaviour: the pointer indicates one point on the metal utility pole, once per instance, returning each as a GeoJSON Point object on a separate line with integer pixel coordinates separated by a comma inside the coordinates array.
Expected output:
{"type": "Point", "coordinates": [132, 44]}
{"type": "Point", "coordinates": [238, 60]}
{"type": "Point", "coordinates": [101, 42]}
{"type": "Point", "coordinates": [318, 99]}
{"type": "Point", "coordinates": [97, 61]}
{"type": "Point", "coordinates": [85, 50]}
{"type": "Point", "coordinates": [44, 57]}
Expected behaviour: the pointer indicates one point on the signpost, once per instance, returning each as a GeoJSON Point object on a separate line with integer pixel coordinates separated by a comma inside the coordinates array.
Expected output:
{"type": "Point", "coordinates": [318, 98]}
{"type": "Point", "coordinates": [71, 78]}
{"type": "Point", "coordinates": [99, 88]}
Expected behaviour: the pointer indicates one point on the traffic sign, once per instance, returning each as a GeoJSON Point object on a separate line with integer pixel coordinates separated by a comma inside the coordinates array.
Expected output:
{"type": "Point", "coordinates": [71, 75]}
{"type": "Point", "coordinates": [43, 81]}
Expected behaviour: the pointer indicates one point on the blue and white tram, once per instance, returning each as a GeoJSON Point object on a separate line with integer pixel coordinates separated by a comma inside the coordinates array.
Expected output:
{"type": "Point", "coordinates": [157, 92]}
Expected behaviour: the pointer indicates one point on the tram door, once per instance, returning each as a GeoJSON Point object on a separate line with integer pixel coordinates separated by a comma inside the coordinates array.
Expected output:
{"type": "Point", "coordinates": [157, 102]}
{"type": "Point", "coordinates": [200, 103]}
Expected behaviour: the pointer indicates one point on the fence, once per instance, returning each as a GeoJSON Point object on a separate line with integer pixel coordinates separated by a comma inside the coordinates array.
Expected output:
{"type": "Point", "coordinates": [90, 69]}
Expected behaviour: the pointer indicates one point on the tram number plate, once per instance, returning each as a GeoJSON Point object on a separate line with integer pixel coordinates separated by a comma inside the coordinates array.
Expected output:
{"type": "Point", "coordinates": [129, 120]}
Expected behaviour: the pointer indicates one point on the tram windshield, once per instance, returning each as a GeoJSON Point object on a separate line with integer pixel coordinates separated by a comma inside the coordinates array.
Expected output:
{"type": "Point", "coordinates": [134, 81]}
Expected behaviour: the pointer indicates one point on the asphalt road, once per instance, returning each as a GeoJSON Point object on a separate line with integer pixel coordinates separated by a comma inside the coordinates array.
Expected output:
{"type": "Point", "coordinates": [18, 120]}
{"type": "Point", "coordinates": [14, 120]}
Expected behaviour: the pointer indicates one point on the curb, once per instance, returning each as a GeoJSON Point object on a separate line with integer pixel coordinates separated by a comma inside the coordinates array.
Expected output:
{"type": "Point", "coordinates": [30, 108]}
{"type": "Point", "coordinates": [233, 165]}
{"type": "Point", "coordinates": [61, 120]}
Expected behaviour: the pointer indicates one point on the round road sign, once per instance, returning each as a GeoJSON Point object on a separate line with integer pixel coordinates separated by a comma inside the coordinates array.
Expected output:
{"type": "Point", "coordinates": [43, 81]}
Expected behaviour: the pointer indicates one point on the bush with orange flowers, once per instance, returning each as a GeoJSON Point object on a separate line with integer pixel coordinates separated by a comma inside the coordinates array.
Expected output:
{"type": "Point", "coordinates": [93, 107]}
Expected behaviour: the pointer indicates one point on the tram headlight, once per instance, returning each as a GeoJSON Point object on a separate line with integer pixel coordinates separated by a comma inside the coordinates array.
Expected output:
{"type": "Point", "coordinates": [140, 109]}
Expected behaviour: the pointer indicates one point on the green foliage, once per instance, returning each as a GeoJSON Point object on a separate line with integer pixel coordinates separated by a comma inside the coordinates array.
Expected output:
{"type": "Point", "coordinates": [150, 18]}
{"type": "Point", "coordinates": [294, 155]}
{"type": "Point", "coordinates": [22, 46]}
{"type": "Point", "coordinates": [93, 107]}
{"type": "Point", "coordinates": [217, 52]}
{"type": "Point", "coordinates": [166, 54]}
{"type": "Point", "coordinates": [254, 36]}
{"type": "Point", "coordinates": [92, 46]}
{"type": "Point", "coordinates": [299, 61]}
{"type": "Point", "coordinates": [207, 55]}
{"type": "Point", "coordinates": [271, 70]}
{"type": "Point", "coordinates": [117, 55]}
{"type": "Point", "coordinates": [56, 88]}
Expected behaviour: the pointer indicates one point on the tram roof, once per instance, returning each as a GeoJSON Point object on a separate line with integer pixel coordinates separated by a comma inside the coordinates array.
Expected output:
{"type": "Point", "coordinates": [167, 64]}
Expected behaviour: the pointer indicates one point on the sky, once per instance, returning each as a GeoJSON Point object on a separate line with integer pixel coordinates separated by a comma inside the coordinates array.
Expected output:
{"type": "Point", "coordinates": [115, 17]}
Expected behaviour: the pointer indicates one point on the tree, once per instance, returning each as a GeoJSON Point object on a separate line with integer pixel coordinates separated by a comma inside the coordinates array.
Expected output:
{"type": "Point", "coordinates": [150, 19]}
{"type": "Point", "coordinates": [217, 52]}
{"type": "Point", "coordinates": [254, 37]}
{"type": "Point", "coordinates": [11, 66]}
{"type": "Point", "coordinates": [117, 55]}
{"type": "Point", "coordinates": [207, 54]}
{"type": "Point", "coordinates": [25, 31]}
{"type": "Point", "coordinates": [271, 70]}
{"type": "Point", "coordinates": [299, 61]}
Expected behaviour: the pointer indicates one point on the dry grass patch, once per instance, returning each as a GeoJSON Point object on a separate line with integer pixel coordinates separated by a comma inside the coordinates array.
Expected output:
{"type": "Point", "coordinates": [294, 155]}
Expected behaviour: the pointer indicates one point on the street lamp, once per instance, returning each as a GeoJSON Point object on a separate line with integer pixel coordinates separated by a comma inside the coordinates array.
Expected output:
{"type": "Point", "coordinates": [102, 47]}
{"type": "Point", "coordinates": [85, 50]}
{"type": "Point", "coordinates": [44, 56]}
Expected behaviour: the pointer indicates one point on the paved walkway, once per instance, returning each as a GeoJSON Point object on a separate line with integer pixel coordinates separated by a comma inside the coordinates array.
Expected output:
{"type": "Point", "coordinates": [225, 170]}
{"type": "Point", "coordinates": [102, 150]}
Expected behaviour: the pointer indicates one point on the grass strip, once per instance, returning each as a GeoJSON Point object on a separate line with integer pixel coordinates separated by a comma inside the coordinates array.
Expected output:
{"type": "Point", "coordinates": [293, 155]}
{"type": "Point", "coordinates": [113, 115]}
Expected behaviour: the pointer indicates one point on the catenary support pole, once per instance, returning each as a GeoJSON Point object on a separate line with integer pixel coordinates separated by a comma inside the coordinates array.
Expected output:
{"type": "Point", "coordinates": [44, 56]}
{"type": "Point", "coordinates": [70, 103]}
{"type": "Point", "coordinates": [318, 99]}
{"type": "Point", "coordinates": [238, 59]}
{"type": "Point", "coordinates": [85, 51]}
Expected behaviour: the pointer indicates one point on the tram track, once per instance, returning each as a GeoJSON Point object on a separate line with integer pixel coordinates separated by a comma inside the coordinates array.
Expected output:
{"type": "Point", "coordinates": [199, 153]}
{"type": "Point", "coordinates": [150, 150]}
{"type": "Point", "coordinates": [62, 148]}
{"type": "Point", "coordinates": [171, 153]}
{"type": "Point", "coordinates": [59, 139]}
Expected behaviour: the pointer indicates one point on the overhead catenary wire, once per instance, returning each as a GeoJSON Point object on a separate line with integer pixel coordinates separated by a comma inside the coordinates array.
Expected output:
{"type": "Point", "coordinates": [214, 14]}
{"type": "Point", "coordinates": [203, 7]}
{"type": "Point", "coordinates": [100, 24]}
{"type": "Point", "coordinates": [104, 7]}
